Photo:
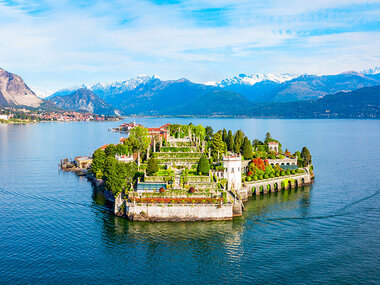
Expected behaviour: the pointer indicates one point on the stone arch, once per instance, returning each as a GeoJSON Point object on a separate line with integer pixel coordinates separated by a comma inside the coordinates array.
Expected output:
{"type": "Point", "coordinates": [288, 163]}
{"type": "Point", "coordinates": [261, 187]}
{"type": "Point", "coordinates": [275, 186]}
{"type": "Point", "coordinates": [303, 180]}
{"type": "Point", "coordinates": [269, 188]}
{"type": "Point", "coordinates": [254, 189]}
{"type": "Point", "coordinates": [282, 163]}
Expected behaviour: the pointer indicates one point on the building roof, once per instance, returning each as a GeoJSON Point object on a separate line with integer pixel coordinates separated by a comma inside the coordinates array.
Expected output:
{"type": "Point", "coordinates": [104, 146]}
{"type": "Point", "coordinates": [83, 158]}
{"type": "Point", "coordinates": [273, 143]}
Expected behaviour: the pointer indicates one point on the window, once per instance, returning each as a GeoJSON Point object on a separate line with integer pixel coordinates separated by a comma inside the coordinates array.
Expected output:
{"type": "Point", "coordinates": [232, 170]}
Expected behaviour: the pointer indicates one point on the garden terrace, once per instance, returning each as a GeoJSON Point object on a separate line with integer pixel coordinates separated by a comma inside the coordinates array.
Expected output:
{"type": "Point", "coordinates": [179, 161]}
{"type": "Point", "coordinates": [178, 200]}
{"type": "Point", "coordinates": [178, 149]}
{"type": "Point", "coordinates": [198, 179]}
{"type": "Point", "coordinates": [204, 185]}
{"type": "Point", "coordinates": [177, 193]}
{"type": "Point", "coordinates": [152, 179]}
{"type": "Point", "coordinates": [163, 155]}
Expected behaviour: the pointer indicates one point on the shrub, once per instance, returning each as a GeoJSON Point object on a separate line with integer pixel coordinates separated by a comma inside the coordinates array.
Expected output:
{"type": "Point", "coordinates": [271, 175]}
{"type": "Point", "coordinates": [261, 177]}
{"type": "Point", "coordinates": [162, 189]}
{"type": "Point", "coordinates": [277, 174]}
{"type": "Point", "coordinates": [293, 171]}
{"type": "Point", "coordinates": [200, 173]}
{"type": "Point", "coordinates": [192, 190]}
{"type": "Point", "coordinates": [249, 178]}
{"type": "Point", "coordinates": [255, 177]}
{"type": "Point", "coordinates": [266, 176]}
{"type": "Point", "coordinates": [282, 172]}
{"type": "Point", "coordinates": [288, 172]}
{"type": "Point", "coordinates": [203, 165]}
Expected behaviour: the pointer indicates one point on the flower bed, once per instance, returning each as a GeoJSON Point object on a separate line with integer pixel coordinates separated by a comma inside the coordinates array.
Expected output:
{"type": "Point", "coordinates": [178, 200]}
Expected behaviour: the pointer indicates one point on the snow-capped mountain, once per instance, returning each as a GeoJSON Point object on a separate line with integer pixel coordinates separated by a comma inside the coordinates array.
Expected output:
{"type": "Point", "coordinates": [243, 79]}
{"type": "Point", "coordinates": [374, 70]}
{"type": "Point", "coordinates": [123, 86]}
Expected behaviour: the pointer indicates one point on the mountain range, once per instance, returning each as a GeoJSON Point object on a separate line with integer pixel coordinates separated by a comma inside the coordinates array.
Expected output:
{"type": "Point", "coordinates": [14, 91]}
{"type": "Point", "coordinates": [84, 100]}
{"type": "Point", "coordinates": [237, 96]}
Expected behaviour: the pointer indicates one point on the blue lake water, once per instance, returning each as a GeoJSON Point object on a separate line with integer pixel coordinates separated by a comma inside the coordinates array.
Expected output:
{"type": "Point", "coordinates": [55, 229]}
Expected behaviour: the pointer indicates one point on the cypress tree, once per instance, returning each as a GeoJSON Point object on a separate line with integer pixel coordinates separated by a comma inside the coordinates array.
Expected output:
{"type": "Point", "coordinates": [203, 165]}
{"type": "Point", "coordinates": [247, 149]}
{"type": "Point", "coordinates": [239, 135]}
{"type": "Point", "coordinates": [152, 166]}
{"type": "Point", "coordinates": [224, 136]}
{"type": "Point", "coordinates": [230, 141]}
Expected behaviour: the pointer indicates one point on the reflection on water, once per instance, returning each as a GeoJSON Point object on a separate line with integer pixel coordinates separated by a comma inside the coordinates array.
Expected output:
{"type": "Point", "coordinates": [55, 228]}
{"type": "Point", "coordinates": [286, 203]}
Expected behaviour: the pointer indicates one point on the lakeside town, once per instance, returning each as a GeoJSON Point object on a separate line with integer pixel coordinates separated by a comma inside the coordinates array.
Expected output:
{"type": "Point", "coordinates": [13, 115]}
{"type": "Point", "coordinates": [189, 173]}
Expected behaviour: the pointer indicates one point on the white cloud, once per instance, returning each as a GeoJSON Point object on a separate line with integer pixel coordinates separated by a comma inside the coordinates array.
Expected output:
{"type": "Point", "coordinates": [59, 43]}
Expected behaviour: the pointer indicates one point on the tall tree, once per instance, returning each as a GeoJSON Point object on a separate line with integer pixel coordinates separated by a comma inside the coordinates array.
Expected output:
{"type": "Point", "coordinates": [209, 133]}
{"type": "Point", "coordinates": [152, 166]}
{"type": "Point", "coordinates": [224, 135]}
{"type": "Point", "coordinates": [218, 146]}
{"type": "Point", "coordinates": [306, 156]}
{"type": "Point", "coordinates": [141, 135]}
{"type": "Point", "coordinates": [238, 141]}
{"type": "Point", "coordinates": [230, 141]}
{"type": "Point", "coordinates": [98, 163]}
{"type": "Point", "coordinates": [268, 137]}
{"type": "Point", "coordinates": [246, 149]}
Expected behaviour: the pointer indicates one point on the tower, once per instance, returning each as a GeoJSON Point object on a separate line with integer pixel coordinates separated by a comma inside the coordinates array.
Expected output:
{"type": "Point", "coordinates": [232, 171]}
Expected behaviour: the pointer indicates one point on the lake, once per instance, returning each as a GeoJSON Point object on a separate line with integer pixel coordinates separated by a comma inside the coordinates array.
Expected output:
{"type": "Point", "coordinates": [55, 228]}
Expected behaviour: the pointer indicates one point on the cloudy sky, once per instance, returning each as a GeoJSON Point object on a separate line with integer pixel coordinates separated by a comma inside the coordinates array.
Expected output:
{"type": "Point", "coordinates": [54, 43]}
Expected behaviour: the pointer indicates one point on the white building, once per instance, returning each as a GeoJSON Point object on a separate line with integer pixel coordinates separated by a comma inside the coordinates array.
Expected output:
{"type": "Point", "coordinates": [273, 146]}
{"type": "Point", "coordinates": [124, 158]}
{"type": "Point", "coordinates": [232, 171]}
{"type": "Point", "coordinates": [4, 117]}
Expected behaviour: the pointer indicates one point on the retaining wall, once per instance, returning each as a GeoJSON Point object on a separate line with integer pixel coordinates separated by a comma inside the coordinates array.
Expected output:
{"type": "Point", "coordinates": [167, 212]}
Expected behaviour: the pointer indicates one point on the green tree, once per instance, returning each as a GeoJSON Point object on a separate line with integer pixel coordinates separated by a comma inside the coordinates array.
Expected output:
{"type": "Point", "coordinates": [238, 141]}
{"type": "Point", "coordinates": [217, 145]}
{"type": "Point", "coordinates": [203, 165]}
{"type": "Point", "coordinates": [224, 135]}
{"type": "Point", "coordinates": [98, 163]}
{"type": "Point", "coordinates": [209, 133]}
{"type": "Point", "coordinates": [110, 150]}
{"type": "Point", "coordinates": [246, 148]}
{"type": "Point", "coordinates": [113, 181]}
{"type": "Point", "coordinates": [152, 166]}
{"type": "Point", "coordinates": [118, 175]}
{"type": "Point", "coordinates": [122, 149]}
{"type": "Point", "coordinates": [230, 141]}
{"type": "Point", "coordinates": [268, 137]}
{"type": "Point", "coordinates": [200, 132]}
{"type": "Point", "coordinates": [140, 138]}
{"type": "Point", "coordinates": [305, 156]}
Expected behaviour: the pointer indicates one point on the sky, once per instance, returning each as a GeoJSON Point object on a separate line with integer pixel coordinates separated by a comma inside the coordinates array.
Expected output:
{"type": "Point", "coordinates": [55, 44]}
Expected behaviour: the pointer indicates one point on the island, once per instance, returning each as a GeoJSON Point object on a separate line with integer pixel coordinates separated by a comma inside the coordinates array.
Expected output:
{"type": "Point", "coordinates": [188, 172]}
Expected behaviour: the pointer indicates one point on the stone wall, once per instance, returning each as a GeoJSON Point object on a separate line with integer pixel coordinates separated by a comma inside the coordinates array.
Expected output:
{"type": "Point", "coordinates": [167, 212]}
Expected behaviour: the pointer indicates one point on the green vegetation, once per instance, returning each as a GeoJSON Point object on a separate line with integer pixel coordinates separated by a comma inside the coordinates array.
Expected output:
{"type": "Point", "coordinates": [203, 165]}
{"type": "Point", "coordinates": [152, 166]}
